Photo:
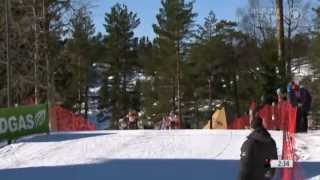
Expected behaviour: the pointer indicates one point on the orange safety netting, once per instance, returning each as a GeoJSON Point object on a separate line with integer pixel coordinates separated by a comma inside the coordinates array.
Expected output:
{"type": "Point", "coordinates": [65, 120]}
{"type": "Point", "coordinates": [266, 113]}
{"type": "Point", "coordinates": [240, 123]}
{"type": "Point", "coordinates": [289, 116]}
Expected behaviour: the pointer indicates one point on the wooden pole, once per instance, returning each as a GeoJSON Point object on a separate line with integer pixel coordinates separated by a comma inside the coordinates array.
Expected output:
{"type": "Point", "coordinates": [8, 63]}
{"type": "Point", "coordinates": [280, 37]}
{"type": "Point", "coordinates": [36, 51]}
{"type": "Point", "coordinates": [51, 118]}
{"type": "Point", "coordinates": [178, 83]}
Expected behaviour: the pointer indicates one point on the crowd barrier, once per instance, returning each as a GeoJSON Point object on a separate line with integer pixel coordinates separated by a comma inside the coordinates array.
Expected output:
{"type": "Point", "coordinates": [65, 120]}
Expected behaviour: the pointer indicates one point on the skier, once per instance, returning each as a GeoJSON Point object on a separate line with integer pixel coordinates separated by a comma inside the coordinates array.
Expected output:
{"type": "Point", "coordinates": [164, 122]}
{"type": "Point", "coordinates": [256, 153]}
{"type": "Point", "coordinates": [122, 124]}
{"type": "Point", "coordinates": [132, 118]}
{"type": "Point", "coordinates": [174, 121]}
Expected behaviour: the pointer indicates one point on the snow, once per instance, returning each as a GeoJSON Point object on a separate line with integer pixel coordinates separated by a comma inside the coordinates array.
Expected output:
{"type": "Point", "coordinates": [315, 178]}
{"type": "Point", "coordinates": [308, 151]}
{"type": "Point", "coordinates": [139, 154]}
{"type": "Point", "coordinates": [308, 146]}
{"type": "Point", "coordinates": [95, 89]}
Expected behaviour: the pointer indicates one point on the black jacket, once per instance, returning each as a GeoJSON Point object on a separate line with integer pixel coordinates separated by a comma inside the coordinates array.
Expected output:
{"type": "Point", "coordinates": [256, 153]}
{"type": "Point", "coordinates": [306, 100]}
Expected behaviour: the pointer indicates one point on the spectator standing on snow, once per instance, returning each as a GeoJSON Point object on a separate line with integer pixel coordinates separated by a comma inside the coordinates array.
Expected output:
{"type": "Point", "coordinates": [294, 96]}
{"type": "Point", "coordinates": [293, 93]}
{"type": "Point", "coordinates": [256, 153]}
{"type": "Point", "coordinates": [306, 101]}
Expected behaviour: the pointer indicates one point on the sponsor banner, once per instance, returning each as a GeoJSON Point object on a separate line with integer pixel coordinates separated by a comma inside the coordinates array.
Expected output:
{"type": "Point", "coordinates": [22, 121]}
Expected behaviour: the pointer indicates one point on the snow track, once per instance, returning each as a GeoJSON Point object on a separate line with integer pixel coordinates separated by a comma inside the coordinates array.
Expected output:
{"type": "Point", "coordinates": [136, 154]}
{"type": "Point", "coordinates": [88, 147]}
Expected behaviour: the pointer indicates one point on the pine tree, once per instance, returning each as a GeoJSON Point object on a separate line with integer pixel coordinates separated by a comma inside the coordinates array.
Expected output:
{"type": "Point", "coordinates": [121, 55]}
{"type": "Point", "coordinates": [79, 47]}
{"type": "Point", "coordinates": [149, 85]}
{"type": "Point", "coordinates": [173, 30]}
{"type": "Point", "coordinates": [313, 83]}
{"type": "Point", "coordinates": [206, 52]}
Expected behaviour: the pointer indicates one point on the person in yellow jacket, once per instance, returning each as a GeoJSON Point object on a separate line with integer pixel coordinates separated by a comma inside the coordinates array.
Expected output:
{"type": "Point", "coordinates": [218, 120]}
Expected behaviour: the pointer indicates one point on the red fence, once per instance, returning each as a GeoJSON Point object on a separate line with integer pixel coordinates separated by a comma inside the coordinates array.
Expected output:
{"type": "Point", "coordinates": [62, 119]}
{"type": "Point", "coordinates": [289, 114]}
{"type": "Point", "coordinates": [240, 123]}
{"type": "Point", "coordinates": [65, 120]}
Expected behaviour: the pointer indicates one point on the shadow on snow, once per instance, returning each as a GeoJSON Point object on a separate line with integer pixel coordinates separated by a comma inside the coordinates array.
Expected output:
{"type": "Point", "coordinates": [155, 169]}
{"type": "Point", "coordinates": [142, 169]}
{"type": "Point", "coordinates": [62, 137]}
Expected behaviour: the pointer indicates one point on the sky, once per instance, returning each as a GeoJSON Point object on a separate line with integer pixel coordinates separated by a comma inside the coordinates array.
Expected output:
{"type": "Point", "coordinates": [147, 10]}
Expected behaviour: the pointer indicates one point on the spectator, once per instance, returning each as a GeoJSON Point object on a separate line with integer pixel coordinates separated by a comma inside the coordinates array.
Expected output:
{"type": "Point", "coordinates": [306, 101]}
{"type": "Point", "coordinates": [256, 153]}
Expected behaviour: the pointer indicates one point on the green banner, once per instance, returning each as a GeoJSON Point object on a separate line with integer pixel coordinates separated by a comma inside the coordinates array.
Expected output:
{"type": "Point", "coordinates": [22, 121]}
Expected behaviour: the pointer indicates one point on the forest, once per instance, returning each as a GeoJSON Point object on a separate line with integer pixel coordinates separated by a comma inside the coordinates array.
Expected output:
{"type": "Point", "coordinates": [50, 52]}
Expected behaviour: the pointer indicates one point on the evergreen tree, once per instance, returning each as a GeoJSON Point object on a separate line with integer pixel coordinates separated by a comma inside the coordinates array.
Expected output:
{"type": "Point", "coordinates": [221, 60]}
{"type": "Point", "coordinates": [150, 83]}
{"type": "Point", "coordinates": [79, 47]}
{"type": "Point", "coordinates": [173, 29]}
{"type": "Point", "coordinates": [121, 55]}
{"type": "Point", "coordinates": [206, 53]}
{"type": "Point", "coordinates": [313, 83]}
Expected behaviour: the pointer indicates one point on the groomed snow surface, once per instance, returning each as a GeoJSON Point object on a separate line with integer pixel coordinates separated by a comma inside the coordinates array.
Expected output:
{"type": "Point", "coordinates": [141, 155]}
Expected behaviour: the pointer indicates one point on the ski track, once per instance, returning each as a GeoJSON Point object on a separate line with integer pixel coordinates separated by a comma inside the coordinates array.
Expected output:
{"type": "Point", "coordinates": [135, 144]}
{"type": "Point", "coordinates": [72, 149]}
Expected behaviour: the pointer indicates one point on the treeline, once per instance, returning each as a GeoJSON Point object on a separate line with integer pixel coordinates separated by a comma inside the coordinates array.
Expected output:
{"type": "Point", "coordinates": [186, 68]}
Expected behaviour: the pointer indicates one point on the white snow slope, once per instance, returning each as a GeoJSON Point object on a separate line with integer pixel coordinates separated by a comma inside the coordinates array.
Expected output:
{"type": "Point", "coordinates": [141, 155]}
